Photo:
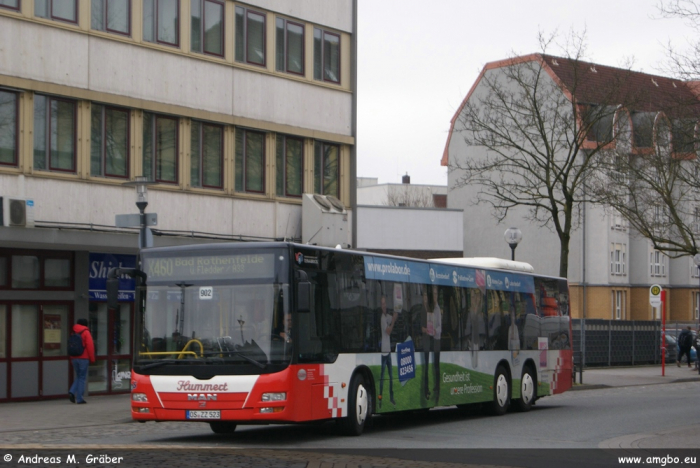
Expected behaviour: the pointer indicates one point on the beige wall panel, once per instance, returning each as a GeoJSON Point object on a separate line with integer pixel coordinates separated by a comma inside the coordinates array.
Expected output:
{"type": "Point", "coordinates": [37, 52]}
{"type": "Point", "coordinates": [253, 218]}
{"type": "Point", "coordinates": [679, 307]}
{"type": "Point", "coordinates": [59, 201]}
{"type": "Point", "coordinates": [188, 211]}
{"type": "Point", "coordinates": [599, 302]}
{"type": "Point", "coordinates": [139, 72]}
{"type": "Point", "coordinates": [289, 102]}
{"type": "Point", "coordinates": [639, 304]}
{"type": "Point", "coordinates": [335, 14]}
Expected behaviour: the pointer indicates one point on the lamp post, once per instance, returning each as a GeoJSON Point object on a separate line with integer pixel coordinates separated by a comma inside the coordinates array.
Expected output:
{"type": "Point", "coordinates": [513, 236]}
{"type": "Point", "coordinates": [696, 260]}
{"type": "Point", "coordinates": [141, 183]}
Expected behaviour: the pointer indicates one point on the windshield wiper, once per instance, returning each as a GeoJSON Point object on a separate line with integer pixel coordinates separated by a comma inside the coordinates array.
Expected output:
{"type": "Point", "coordinates": [159, 363]}
{"type": "Point", "coordinates": [238, 353]}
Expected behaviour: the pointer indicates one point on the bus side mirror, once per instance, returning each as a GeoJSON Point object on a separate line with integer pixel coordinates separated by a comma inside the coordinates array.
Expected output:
{"type": "Point", "coordinates": [113, 293]}
{"type": "Point", "coordinates": [303, 296]}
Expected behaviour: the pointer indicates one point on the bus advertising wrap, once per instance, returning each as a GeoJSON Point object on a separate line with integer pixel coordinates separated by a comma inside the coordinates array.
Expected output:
{"type": "Point", "coordinates": [403, 271]}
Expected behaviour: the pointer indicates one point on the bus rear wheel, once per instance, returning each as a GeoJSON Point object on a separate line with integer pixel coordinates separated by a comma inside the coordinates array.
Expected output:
{"type": "Point", "coordinates": [222, 427]}
{"type": "Point", "coordinates": [501, 392]}
{"type": "Point", "coordinates": [528, 390]}
{"type": "Point", "coordinates": [358, 407]}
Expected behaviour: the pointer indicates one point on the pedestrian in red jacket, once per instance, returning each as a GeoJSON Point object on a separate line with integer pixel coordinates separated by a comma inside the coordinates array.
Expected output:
{"type": "Point", "coordinates": [81, 363]}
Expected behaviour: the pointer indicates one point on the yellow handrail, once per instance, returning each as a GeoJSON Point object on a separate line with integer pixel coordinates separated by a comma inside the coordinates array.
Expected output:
{"type": "Point", "coordinates": [184, 350]}
{"type": "Point", "coordinates": [161, 353]}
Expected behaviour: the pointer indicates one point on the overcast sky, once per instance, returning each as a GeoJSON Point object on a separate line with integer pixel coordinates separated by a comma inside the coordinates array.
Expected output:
{"type": "Point", "coordinates": [418, 60]}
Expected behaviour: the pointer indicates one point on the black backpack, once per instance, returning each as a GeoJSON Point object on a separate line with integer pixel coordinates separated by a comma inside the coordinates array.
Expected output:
{"type": "Point", "coordinates": [685, 340]}
{"type": "Point", "coordinates": [75, 344]}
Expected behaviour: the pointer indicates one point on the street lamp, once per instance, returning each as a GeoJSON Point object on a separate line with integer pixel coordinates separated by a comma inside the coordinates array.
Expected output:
{"type": "Point", "coordinates": [696, 260]}
{"type": "Point", "coordinates": [513, 236]}
{"type": "Point", "coordinates": [141, 183]}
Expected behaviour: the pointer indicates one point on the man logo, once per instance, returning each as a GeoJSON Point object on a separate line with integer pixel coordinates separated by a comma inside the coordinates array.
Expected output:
{"type": "Point", "coordinates": [455, 278]}
{"type": "Point", "coordinates": [432, 276]}
{"type": "Point", "coordinates": [201, 396]}
{"type": "Point", "coordinates": [507, 283]}
{"type": "Point", "coordinates": [299, 257]}
{"type": "Point", "coordinates": [488, 280]}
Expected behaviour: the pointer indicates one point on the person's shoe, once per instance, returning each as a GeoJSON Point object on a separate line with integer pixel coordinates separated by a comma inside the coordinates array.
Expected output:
{"type": "Point", "coordinates": [71, 397]}
{"type": "Point", "coordinates": [82, 402]}
{"type": "Point", "coordinates": [678, 363]}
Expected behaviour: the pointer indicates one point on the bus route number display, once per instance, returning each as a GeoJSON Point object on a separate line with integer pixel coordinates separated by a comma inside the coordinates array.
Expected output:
{"type": "Point", "coordinates": [210, 267]}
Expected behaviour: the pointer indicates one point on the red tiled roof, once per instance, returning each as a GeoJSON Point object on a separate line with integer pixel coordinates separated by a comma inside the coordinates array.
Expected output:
{"type": "Point", "coordinates": [593, 83]}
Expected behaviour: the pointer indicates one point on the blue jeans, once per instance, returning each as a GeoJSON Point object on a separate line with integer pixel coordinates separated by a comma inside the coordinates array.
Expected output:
{"type": "Point", "coordinates": [78, 387]}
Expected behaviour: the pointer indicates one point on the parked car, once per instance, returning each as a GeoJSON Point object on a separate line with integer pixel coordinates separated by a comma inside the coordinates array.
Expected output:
{"type": "Point", "coordinates": [673, 334]}
{"type": "Point", "coordinates": [671, 348]}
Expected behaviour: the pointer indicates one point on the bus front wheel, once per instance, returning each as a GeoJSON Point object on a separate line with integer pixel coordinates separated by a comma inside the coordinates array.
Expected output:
{"type": "Point", "coordinates": [501, 392]}
{"type": "Point", "coordinates": [528, 390]}
{"type": "Point", "coordinates": [358, 407]}
{"type": "Point", "coordinates": [222, 427]}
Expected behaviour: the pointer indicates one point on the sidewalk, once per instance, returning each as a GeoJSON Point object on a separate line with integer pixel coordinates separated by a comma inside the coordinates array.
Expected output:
{"type": "Point", "coordinates": [637, 375]}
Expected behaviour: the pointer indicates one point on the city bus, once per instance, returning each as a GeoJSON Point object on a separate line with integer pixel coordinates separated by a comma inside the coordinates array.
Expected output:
{"type": "Point", "coordinates": [261, 333]}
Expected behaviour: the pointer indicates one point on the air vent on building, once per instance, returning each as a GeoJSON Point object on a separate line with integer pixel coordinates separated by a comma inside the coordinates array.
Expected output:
{"type": "Point", "coordinates": [321, 200]}
{"type": "Point", "coordinates": [337, 204]}
{"type": "Point", "coordinates": [17, 212]}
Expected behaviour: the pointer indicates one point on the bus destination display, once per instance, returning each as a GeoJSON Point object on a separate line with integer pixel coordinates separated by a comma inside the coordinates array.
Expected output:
{"type": "Point", "coordinates": [210, 267]}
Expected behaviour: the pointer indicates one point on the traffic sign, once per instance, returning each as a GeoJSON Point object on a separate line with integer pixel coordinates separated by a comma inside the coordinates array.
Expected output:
{"type": "Point", "coordinates": [134, 220]}
{"type": "Point", "coordinates": [655, 295]}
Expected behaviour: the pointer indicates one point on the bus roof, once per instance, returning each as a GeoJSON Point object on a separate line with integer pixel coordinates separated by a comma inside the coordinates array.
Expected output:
{"type": "Point", "coordinates": [488, 262]}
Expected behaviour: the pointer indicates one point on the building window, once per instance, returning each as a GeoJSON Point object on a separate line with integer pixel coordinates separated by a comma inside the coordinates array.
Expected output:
{"type": "Point", "coordinates": [111, 15]}
{"type": "Point", "coordinates": [694, 269]}
{"type": "Point", "coordinates": [326, 169]}
{"type": "Point", "coordinates": [206, 155]}
{"type": "Point", "coordinates": [290, 166]}
{"type": "Point", "coordinates": [618, 259]}
{"type": "Point", "coordinates": [208, 27]}
{"type": "Point", "coordinates": [61, 10]}
{"type": "Point", "coordinates": [161, 21]}
{"type": "Point", "coordinates": [618, 221]}
{"type": "Point", "coordinates": [109, 142]}
{"type": "Point", "coordinates": [54, 134]}
{"type": "Point", "coordinates": [160, 148]}
{"type": "Point", "coordinates": [657, 263]}
{"type": "Point", "coordinates": [696, 306]}
{"type": "Point", "coordinates": [290, 47]}
{"type": "Point", "coordinates": [250, 36]}
{"type": "Point", "coordinates": [250, 161]}
{"type": "Point", "coordinates": [326, 56]}
{"type": "Point", "coordinates": [11, 4]}
{"type": "Point", "coordinates": [8, 128]}
{"type": "Point", "coordinates": [619, 304]}
{"type": "Point", "coordinates": [32, 270]}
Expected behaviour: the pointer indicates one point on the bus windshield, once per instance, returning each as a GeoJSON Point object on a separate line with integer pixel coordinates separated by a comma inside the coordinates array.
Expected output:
{"type": "Point", "coordinates": [235, 316]}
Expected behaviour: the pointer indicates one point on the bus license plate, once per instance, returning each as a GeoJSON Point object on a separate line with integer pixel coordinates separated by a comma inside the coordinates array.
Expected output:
{"type": "Point", "coordinates": [197, 414]}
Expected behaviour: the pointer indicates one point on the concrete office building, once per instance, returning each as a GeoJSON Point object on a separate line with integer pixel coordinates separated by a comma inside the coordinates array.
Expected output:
{"type": "Point", "coordinates": [234, 108]}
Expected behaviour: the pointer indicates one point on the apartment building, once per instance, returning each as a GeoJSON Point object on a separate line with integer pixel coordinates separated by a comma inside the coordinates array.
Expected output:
{"type": "Point", "coordinates": [234, 109]}
{"type": "Point", "coordinates": [611, 267]}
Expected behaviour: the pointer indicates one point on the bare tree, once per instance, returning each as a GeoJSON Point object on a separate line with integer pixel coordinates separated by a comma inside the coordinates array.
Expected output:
{"type": "Point", "coordinates": [683, 63]}
{"type": "Point", "coordinates": [655, 188]}
{"type": "Point", "coordinates": [409, 195]}
{"type": "Point", "coordinates": [534, 129]}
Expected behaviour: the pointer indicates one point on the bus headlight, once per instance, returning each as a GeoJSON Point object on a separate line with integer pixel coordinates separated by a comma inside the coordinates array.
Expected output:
{"type": "Point", "coordinates": [281, 396]}
{"type": "Point", "coordinates": [139, 397]}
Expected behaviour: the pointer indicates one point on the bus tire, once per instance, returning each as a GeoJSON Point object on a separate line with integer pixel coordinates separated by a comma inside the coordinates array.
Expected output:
{"type": "Point", "coordinates": [501, 392]}
{"type": "Point", "coordinates": [222, 427]}
{"type": "Point", "coordinates": [358, 407]}
{"type": "Point", "coordinates": [528, 390]}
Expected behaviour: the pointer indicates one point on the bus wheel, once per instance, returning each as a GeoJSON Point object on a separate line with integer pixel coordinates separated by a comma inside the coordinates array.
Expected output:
{"type": "Point", "coordinates": [222, 427]}
{"type": "Point", "coordinates": [528, 390]}
{"type": "Point", "coordinates": [501, 392]}
{"type": "Point", "coordinates": [358, 407]}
